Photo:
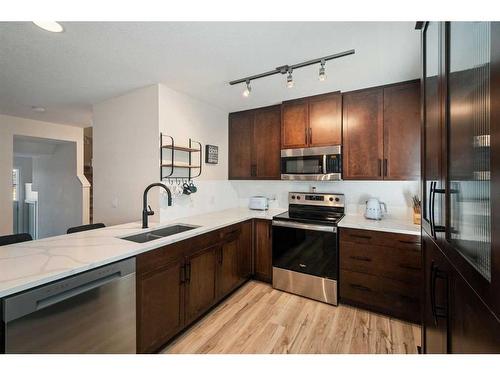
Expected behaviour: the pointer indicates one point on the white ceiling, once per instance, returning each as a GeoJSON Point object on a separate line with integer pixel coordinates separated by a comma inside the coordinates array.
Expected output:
{"type": "Point", "coordinates": [94, 61]}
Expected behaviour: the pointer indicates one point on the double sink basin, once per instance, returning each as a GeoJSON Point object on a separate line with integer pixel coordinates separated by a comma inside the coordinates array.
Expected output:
{"type": "Point", "coordinates": [160, 233]}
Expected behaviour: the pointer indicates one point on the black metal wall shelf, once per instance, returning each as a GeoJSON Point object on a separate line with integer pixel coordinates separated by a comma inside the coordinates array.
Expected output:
{"type": "Point", "coordinates": [194, 147]}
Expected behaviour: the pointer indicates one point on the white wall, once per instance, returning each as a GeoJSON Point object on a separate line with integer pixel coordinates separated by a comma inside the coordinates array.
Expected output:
{"type": "Point", "coordinates": [54, 178]}
{"type": "Point", "coordinates": [125, 155]}
{"type": "Point", "coordinates": [184, 117]}
{"type": "Point", "coordinates": [11, 126]}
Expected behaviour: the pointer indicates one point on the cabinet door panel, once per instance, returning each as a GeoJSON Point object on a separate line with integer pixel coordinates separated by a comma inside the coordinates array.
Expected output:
{"type": "Point", "coordinates": [159, 301]}
{"type": "Point", "coordinates": [363, 135]}
{"type": "Point", "coordinates": [228, 276]}
{"type": "Point", "coordinates": [263, 251]}
{"type": "Point", "coordinates": [245, 256]}
{"type": "Point", "coordinates": [402, 132]}
{"type": "Point", "coordinates": [437, 274]}
{"type": "Point", "coordinates": [294, 124]}
{"type": "Point", "coordinates": [200, 282]}
{"type": "Point", "coordinates": [240, 144]}
{"type": "Point", "coordinates": [325, 120]}
{"type": "Point", "coordinates": [266, 152]}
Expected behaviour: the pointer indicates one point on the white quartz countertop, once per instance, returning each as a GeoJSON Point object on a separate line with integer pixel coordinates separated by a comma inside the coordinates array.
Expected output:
{"type": "Point", "coordinates": [33, 263]}
{"type": "Point", "coordinates": [393, 224]}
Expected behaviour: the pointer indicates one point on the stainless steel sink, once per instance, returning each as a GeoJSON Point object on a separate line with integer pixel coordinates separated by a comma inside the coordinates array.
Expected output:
{"type": "Point", "coordinates": [160, 233]}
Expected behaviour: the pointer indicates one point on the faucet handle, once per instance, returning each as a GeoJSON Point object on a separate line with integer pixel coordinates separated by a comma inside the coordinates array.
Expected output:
{"type": "Point", "coordinates": [150, 211]}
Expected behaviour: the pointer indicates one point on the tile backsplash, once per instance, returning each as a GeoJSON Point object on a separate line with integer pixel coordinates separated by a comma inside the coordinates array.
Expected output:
{"type": "Point", "coordinates": [222, 194]}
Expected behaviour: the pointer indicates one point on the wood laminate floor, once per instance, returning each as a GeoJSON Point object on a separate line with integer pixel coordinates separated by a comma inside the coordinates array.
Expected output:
{"type": "Point", "coordinates": [260, 319]}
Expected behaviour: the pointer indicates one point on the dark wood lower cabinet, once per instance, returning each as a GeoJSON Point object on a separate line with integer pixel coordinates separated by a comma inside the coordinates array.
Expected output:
{"type": "Point", "coordinates": [245, 252]}
{"type": "Point", "coordinates": [455, 319]}
{"type": "Point", "coordinates": [227, 267]}
{"type": "Point", "coordinates": [160, 306]}
{"type": "Point", "coordinates": [263, 251]}
{"type": "Point", "coordinates": [381, 271]}
{"type": "Point", "coordinates": [178, 283]}
{"type": "Point", "coordinates": [200, 282]}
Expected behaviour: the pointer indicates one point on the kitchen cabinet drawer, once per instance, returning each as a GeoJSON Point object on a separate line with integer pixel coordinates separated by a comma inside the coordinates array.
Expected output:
{"type": "Point", "coordinates": [394, 263]}
{"type": "Point", "coordinates": [392, 297]}
{"type": "Point", "coordinates": [408, 242]}
{"type": "Point", "coordinates": [160, 257]}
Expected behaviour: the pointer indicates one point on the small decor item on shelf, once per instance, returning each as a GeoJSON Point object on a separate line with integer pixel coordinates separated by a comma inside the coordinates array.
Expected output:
{"type": "Point", "coordinates": [212, 154]}
{"type": "Point", "coordinates": [417, 215]}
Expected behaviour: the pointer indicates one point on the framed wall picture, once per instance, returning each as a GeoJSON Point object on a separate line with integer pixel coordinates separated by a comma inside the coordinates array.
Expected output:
{"type": "Point", "coordinates": [211, 154]}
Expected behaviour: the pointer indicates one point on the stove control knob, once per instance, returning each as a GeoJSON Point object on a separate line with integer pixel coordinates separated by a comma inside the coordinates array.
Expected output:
{"type": "Point", "coordinates": [298, 197]}
{"type": "Point", "coordinates": [336, 199]}
{"type": "Point", "coordinates": [293, 196]}
{"type": "Point", "coordinates": [331, 199]}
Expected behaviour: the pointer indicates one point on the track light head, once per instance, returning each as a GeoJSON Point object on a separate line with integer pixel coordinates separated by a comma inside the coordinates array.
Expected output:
{"type": "Point", "coordinates": [322, 73]}
{"type": "Point", "coordinates": [289, 79]}
{"type": "Point", "coordinates": [248, 89]}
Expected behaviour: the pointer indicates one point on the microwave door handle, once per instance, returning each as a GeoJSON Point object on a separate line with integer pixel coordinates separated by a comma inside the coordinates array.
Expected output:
{"type": "Point", "coordinates": [324, 164]}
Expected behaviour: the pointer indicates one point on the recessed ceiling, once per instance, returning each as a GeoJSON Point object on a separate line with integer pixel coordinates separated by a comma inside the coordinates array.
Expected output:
{"type": "Point", "coordinates": [89, 62]}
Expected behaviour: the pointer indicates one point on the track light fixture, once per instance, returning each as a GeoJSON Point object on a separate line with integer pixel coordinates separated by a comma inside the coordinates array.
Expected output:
{"type": "Point", "coordinates": [248, 89]}
{"type": "Point", "coordinates": [289, 79]}
{"type": "Point", "coordinates": [288, 69]}
{"type": "Point", "coordinates": [322, 73]}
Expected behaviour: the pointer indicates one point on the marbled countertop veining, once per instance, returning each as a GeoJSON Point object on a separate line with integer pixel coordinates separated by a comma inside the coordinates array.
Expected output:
{"type": "Point", "coordinates": [30, 264]}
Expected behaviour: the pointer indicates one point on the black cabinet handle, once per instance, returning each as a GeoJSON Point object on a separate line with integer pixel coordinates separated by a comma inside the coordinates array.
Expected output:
{"type": "Point", "coordinates": [380, 167]}
{"type": "Point", "coordinates": [183, 274]}
{"type": "Point", "coordinates": [253, 170]}
{"type": "Point", "coordinates": [364, 259]}
{"type": "Point", "coordinates": [221, 255]}
{"type": "Point", "coordinates": [188, 273]}
{"type": "Point", "coordinates": [360, 236]}
{"type": "Point", "coordinates": [385, 167]}
{"type": "Point", "coordinates": [360, 287]}
{"type": "Point", "coordinates": [307, 138]}
{"type": "Point", "coordinates": [437, 311]}
{"type": "Point", "coordinates": [409, 267]}
{"type": "Point", "coordinates": [310, 135]}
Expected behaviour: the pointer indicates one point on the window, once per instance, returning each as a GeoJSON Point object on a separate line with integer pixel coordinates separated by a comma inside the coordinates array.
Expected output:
{"type": "Point", "coordinates": [15, 185]}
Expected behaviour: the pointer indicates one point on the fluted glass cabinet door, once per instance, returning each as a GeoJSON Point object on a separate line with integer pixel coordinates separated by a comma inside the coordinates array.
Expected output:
{"type": "Point", "coordinates": [469, 229]}
{"type": "Point", "coordinates": [432, 176]}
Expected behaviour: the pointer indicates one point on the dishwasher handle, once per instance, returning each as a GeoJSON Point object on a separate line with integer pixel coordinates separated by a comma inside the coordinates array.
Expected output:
{"type": "Point", "coordinates": [22, 304]}
{"type": "Point", "coordinates": [94, 284]}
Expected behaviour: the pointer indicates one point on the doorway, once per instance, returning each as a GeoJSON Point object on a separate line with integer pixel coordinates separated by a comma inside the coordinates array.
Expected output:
{"type": "Point", "coordinates": [46, 189]}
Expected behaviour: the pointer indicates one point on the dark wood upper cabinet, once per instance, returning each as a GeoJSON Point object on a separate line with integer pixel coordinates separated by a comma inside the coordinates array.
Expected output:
{"type": "Point", "coordinates": [295, 124]}
{"type": "Point", "coordinates": [312, 122]}
{"type": "Point", "coordinates": [200, 282]}
{"type": "Point", "coordinates": [254, 144]}
{"type": "Point", "coordinates": [240, 144]}
{"type": "Point", "coordinates": [266, 142]}
{"type": "Point", "coordinates": [325, 120]}
{"type": "Point", "coordinates": [263, 250]}
{"type": "Point", "coordinates": [381, 133]}
{"type": "Point", "coordinates": [402, 132]}
{"type": "Point", "coordinates": [363, 135]}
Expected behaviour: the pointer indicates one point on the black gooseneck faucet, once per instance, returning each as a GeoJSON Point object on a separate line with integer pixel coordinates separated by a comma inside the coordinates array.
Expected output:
{"type": "Point", "coordinates": [146, 209]}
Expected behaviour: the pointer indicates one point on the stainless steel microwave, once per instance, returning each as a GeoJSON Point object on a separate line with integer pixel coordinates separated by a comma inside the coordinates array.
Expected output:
{"type": "Point", "coordinates": [314, 163]}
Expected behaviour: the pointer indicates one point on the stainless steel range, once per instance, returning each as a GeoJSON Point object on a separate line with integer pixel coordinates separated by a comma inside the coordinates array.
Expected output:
{"type": "Point", "coordinates": [305, 245]}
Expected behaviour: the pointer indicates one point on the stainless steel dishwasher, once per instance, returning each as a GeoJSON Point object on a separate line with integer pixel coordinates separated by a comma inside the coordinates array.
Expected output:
{"type": "Point", "coordinates": [91, 312]}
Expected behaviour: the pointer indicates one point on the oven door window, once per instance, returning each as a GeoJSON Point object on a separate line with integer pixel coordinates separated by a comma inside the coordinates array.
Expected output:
{"type": "Point", "coordinates": [305, 251]}
{"type": "Point", "coordinates": [302, 165]}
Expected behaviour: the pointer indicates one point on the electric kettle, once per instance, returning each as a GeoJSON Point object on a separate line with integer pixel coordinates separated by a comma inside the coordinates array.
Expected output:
{"type": "Point", "coordinates": [373, 209]}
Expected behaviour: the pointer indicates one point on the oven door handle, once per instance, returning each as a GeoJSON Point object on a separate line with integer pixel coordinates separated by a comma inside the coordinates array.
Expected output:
{"type": "Point", "coordinates": [314, 227]}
